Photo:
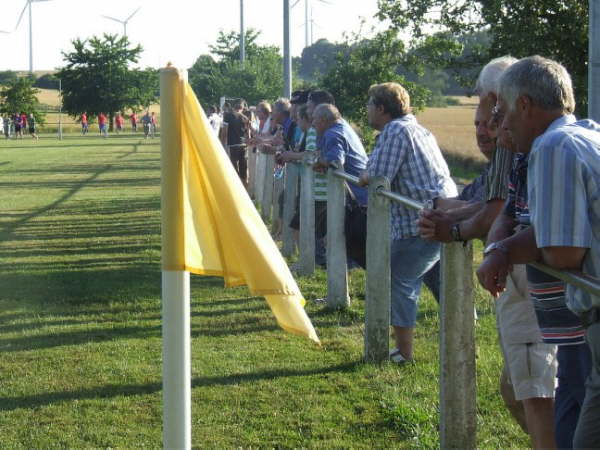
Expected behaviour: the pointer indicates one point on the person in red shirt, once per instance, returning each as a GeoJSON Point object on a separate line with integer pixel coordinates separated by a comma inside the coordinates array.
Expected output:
{"type": "Point", "coordinates": [133, 118]}
{"type": "Point", "coordinates": [119, 122]}
{"type": "Point", "coordinates": [102, 125]}
{"type": "Point", "coordinates": [23, 120]}
{"type": "Point", "coordinates": [84, 123]}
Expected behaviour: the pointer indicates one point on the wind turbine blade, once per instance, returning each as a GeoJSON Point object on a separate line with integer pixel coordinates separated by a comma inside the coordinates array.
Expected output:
{"type": "Point", "coordinates": [133, 14]}
{"type": "Point", "coordinates": [36, 1]}
{"type": "Point", "coordinates": [326, 1]}
{"type": "Point", "coordinates": [22, 13]}
{"type": "Point", "coordinates": [5, 32]}
{"type": "Point", "coordinates": [112, 18]}
{"type": "Point", "coordinates": [295, 3]}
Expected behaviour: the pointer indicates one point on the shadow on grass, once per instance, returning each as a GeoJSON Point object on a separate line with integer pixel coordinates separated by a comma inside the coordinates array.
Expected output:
{"type": "Point", "coordinates": [116, 390]}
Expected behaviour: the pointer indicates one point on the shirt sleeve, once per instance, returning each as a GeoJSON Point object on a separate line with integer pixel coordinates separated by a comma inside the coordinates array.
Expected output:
{"type": "Point", "coordinates": [497, 178]}
{"type": "Point", "coordinates": [333, 148]}
{"type": "Point", "coordinates": [387, 156]}
{"type": "Point", "coordinates": [558, 197]}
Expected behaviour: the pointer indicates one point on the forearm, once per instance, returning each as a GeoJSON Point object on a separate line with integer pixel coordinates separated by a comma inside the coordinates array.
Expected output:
{"type": "Point", "coordinates": [464, 211]}
{"type": "Point", "coordinates": [447, 204]}
{"type": "Point", "coordinates": [522, 247]}
{"type": "Point", "coordinates": [478, 225]}
{"type": "Point", "coordinates": [501, 228]}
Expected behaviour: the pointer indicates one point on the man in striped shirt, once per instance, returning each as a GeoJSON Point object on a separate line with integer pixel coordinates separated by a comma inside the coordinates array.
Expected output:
{"type": "Point", "coordinates": [535, 105]}
{"type": "Point", "coordinates": [408, 155]}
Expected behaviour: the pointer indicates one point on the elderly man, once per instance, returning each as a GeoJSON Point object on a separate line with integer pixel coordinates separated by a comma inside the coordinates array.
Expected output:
{"type": "Point", "coordinates": [338, 142]}
{"type": "Point", "coordinates": [528, 377]}
{"type": "Point", "coordinates": [408, 155]}
{"type": "Point", "coordinates": [535, 103]}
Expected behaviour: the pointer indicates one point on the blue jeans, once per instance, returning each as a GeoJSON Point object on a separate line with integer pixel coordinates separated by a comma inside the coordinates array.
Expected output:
{"type": "Point", "coordinates": [574, 363]}
{"type": "Point", "coordinates": [411, 258]}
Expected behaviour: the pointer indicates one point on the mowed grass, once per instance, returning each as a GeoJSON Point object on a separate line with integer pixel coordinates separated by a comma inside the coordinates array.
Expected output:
{"type": "Point", "coordinates": [80, 329]}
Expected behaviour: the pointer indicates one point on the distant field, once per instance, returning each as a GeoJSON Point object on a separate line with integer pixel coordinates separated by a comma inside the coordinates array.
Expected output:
{"type": "Point", "coordinates": [453, 128]}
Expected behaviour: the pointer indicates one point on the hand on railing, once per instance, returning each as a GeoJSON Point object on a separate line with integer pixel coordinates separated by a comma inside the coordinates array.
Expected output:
{"type": "Point", "coordinates": [435, 225]}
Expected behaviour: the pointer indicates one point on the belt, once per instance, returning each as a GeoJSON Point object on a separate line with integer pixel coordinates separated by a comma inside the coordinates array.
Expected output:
{"type": "Point", "coordinates": [590, 317]}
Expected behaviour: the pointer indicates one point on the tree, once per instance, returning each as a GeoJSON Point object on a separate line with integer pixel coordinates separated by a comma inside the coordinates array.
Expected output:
{"type": "Point", "coordinates": [259, 78]}
{"type": "Point", "coordinates": [19, 96]}
{"type": "Point", "coordinates": [97, 77]}
{"type": "Point", "coordinates": [369, 62]}
{"type": "Point", "coordinates": [555, 29]}
{"type": "Point", "coordinates": [317, 59]}
{"type": "Point", "coordinates": [7, 76]}
{"type": "Point", "coordinates": [47, 81]}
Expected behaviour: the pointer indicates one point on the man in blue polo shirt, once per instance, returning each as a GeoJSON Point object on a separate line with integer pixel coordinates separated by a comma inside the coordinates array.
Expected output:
{"type": "Point", "coordinates": [337, 141]}
{"type": "Point", "coordinates": [535, 106]}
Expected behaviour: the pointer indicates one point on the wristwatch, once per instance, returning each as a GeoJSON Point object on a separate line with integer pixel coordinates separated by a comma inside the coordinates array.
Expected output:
{"type": "Point", "coordinates": [495, 246]}
{"type": "Point", "coordinates": [455, 232]}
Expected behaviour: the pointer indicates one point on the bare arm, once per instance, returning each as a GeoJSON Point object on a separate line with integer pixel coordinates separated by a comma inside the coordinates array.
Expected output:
{"type": "Point", "coordinates": [501, 228]}
{"type": "Point", "coordinates": [479, 224]}
{"type": "Point", "coordinates": [567, 258]}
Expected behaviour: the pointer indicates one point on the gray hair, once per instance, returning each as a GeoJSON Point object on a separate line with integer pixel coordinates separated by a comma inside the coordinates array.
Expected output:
{"type": "Point", "coordinates": [282, 105]}
{"type": "Point", "coordinates": [545, 81]}
{"type": "Point", "coordinates": [487, 81]}
{"type": "Point", "coordinates": [327, 112]}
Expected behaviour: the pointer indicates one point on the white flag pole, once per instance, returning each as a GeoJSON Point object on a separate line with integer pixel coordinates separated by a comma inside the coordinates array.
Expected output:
{"type": "Point", "coordinates": [177, 410]}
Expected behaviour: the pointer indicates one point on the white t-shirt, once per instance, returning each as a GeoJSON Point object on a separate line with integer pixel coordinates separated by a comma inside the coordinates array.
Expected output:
{"type": "Point", "coordinates": [215, 122]}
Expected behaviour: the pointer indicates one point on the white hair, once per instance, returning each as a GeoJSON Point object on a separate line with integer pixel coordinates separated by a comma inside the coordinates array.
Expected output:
{"type": "Point", "coordinates": [546, 82]}
{"type": "Point", "coordinates": [327, 112]}
{"type": "Point", "coordinates": [487, 81]}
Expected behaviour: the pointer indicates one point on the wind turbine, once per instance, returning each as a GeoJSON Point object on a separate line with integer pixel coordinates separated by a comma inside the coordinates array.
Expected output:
{"type": "Point", "coordinates": [308, 20]}
{"type": "Point", "coordinates": [124, 22]}
{"type": "Point", "coordinates": [28, 4]}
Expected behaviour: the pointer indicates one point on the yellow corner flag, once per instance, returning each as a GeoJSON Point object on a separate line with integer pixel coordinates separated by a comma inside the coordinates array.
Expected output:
{"type": "Point", "coordinates": [209, 225]}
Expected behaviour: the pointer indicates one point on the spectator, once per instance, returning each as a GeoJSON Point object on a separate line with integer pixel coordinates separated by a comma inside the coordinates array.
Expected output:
{"type": "Point", "coordinates": [17, 121]}
{"type": "Point", "coordinates": [147, 124]}
{"type": "Point", "coordinates": [535, 106]}
{"type": "Point", "coordinates": [32, 127]}
{"type": "Point", "coordinates": [84, 123]}
{"type": "Point", "coordinates": [119, 123]}
{"type": "Point", "coordinates": [528, 398]}
{"type": "Point", "coordinates": [408, 155]}
{"type": "Point", "coordinates": [237, 125]}
{"type": "Point", "coordinates": [133, 120]}
{"type": "Point", "coordinates": [338, 143]}
{"type": "Point", "coordinates": [214, 119]}
{"type": "Point", "coordinates": [153, 124]}
{"type": "Point", "coordinates": [102, 125]}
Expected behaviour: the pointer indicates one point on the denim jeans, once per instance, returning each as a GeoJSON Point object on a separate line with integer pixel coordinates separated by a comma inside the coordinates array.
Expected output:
{"type": "Point", "coordinates": [411, 258]}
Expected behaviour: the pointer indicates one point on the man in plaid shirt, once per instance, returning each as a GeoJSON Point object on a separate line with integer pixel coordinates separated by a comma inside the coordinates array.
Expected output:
{"type": "Point", "coordinates": [409, 156]}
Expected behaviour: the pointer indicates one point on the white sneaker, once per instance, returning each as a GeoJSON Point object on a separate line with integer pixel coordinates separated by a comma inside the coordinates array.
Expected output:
{"type": "Point", "coordinates": [396, 357]}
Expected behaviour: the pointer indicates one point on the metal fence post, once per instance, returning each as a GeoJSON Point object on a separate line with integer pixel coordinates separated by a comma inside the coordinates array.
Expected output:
{"type": "Point", "coordinates": [337, 273]}
{"type": "Point", "coordinates": [290, 192]}
{"type": "Point", "coordinates": [457, 349]}
{"type": "Point", "coordinates": [267, 198]}
{"type": "Point", "coordinates": [378, 289]}
{"type": "Point", "coordinates": [306, 260]}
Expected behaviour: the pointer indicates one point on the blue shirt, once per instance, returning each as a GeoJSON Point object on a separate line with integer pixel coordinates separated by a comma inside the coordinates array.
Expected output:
{"type": "Point", "coordinates": [564, 195]}
{"type": "Point", "coordinates": [341, 143]}
{"type": "Point", "coordinates": [408, 155]}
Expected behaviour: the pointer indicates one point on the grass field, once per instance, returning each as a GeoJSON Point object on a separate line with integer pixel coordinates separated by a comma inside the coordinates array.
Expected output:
{"type": "Point", "coordinates": [80, 329]}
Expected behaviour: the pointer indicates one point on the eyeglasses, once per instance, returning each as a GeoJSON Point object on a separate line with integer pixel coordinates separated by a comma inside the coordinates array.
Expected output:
{"type": "Point", "coordinates": [497, 115]}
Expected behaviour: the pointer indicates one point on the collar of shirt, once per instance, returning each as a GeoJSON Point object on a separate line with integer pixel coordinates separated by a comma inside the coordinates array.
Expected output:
{"type": "Point", "coordinates": [567, 119]}
{"type": "Point", "coordinates": [404, 120]}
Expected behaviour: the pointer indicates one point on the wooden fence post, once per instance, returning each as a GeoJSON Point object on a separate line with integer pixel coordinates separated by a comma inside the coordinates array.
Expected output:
{"type": "Point", "coordinates": [277, 210]}
{"type": "Point", "coordinates": [457, 349]}
{"type": "Point", "coordinates": [267, 198]}
{"type": "Point", "coordinates": [290, 191]}
{"type": "Point", "coordinates": [378, 289]}
{"type": "Point", "coordinates": [306, 260]}
{"type": "Point", "coordinates": [337, 272]}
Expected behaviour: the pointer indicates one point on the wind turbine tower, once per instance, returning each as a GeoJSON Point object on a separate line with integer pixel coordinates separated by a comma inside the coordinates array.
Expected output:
{"type": "Point", "coordinates": [28, 5]}
{"type": "Point", "coordinates": [123, 22]}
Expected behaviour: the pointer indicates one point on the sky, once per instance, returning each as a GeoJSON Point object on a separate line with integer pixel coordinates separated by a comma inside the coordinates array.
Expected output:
{"type": "Point", "coordinates": [176, 31]}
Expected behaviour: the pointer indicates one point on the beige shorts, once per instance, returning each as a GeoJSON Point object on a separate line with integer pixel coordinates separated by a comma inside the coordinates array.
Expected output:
{"type": "Point", "coordinates": [531, 369]}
